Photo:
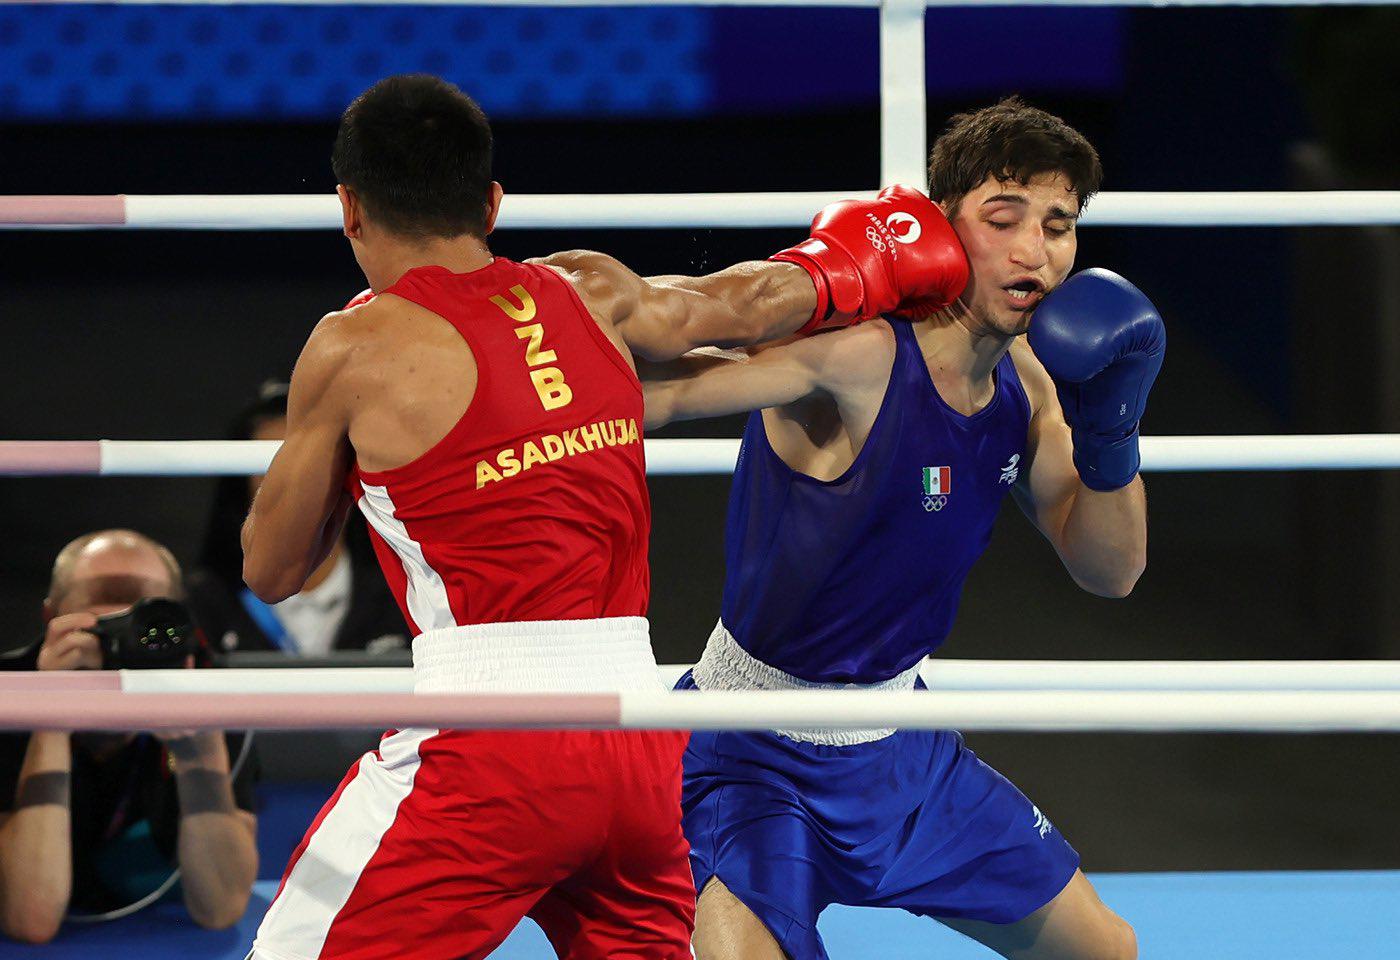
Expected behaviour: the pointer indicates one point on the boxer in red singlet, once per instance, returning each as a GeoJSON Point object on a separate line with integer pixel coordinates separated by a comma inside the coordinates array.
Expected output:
{"type": "Point", "coordinates": [485, 417]}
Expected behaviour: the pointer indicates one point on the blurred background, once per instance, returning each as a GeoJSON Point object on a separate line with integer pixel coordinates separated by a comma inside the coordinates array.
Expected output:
{"type": "Point", "coordinates": [165, 335]}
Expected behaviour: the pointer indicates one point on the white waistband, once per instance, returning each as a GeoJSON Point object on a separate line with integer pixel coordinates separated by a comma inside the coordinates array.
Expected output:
{"type": "Point", "coordinates": [568, 656]}
{"type": "Point", "coordinates": [727, 666]}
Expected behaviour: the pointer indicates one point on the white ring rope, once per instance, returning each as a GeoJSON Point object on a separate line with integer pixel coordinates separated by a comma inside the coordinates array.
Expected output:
{"type": "Point", "coordinates": [903, 95]}
{"type": "Point", "coordinates": [46, 707]}
{"type": "Point", "coordinates": [738, 3]}
{"type": "Point", "coordinates": [206, 458]}
{"type": "Point", "coordinates": [938, 674]}
{"type": "Point", "coordinates": [681, 210]}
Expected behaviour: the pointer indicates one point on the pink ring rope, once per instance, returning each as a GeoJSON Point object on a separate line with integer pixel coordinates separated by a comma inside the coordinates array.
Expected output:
{"type": "Point", "coordinates": [19, 458]}
{"type": "Point", "coordinates": [66, 708]}
{"type": "Point", "coordinates": [60, 680]}
{"type": "Point", "coordinates": [64, 210]}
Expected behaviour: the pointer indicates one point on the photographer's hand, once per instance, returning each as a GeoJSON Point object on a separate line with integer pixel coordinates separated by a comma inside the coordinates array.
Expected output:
{"type": "Point", "coordinates": [195, 750]}
{"type": "Point", "coordinates": [69, 646]}
{"type": "Point", "coordinates": [174, 740]}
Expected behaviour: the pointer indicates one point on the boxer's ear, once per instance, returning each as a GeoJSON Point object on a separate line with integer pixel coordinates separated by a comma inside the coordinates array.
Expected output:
{"type": "Point", "coordinates": [351, 212]}
{"type": "Point", "coordinates": [493, 207]}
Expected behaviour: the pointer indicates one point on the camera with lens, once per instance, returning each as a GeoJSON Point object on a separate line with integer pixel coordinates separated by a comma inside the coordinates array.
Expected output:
{"type": "Point", "coordinates": [155, 633]}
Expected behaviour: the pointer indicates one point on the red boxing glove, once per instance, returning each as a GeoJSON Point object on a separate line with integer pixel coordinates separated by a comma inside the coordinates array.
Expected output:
{"type": "Point", "coordinates": [894, 254]}
{"type": "Point", "coordinates": [364, 296]}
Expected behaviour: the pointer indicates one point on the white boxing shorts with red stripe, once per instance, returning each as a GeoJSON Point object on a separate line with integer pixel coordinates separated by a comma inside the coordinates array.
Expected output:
{"type": "Point", "coordinates": [438, 843]}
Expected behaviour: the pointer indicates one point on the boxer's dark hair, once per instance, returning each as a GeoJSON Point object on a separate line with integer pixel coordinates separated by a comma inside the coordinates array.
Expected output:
{"type": "Point", "coordinates": [417, 152]}
{"type": "Point", "coordinates": [1010, 140]}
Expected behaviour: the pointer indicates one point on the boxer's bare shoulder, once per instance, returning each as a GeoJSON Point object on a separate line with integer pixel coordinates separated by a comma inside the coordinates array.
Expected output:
{"type": "Point", "coordinates": [401, 375]}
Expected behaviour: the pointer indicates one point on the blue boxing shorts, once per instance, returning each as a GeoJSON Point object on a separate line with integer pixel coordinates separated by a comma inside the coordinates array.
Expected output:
{"type": "Point", "coordinates": [913, 821]}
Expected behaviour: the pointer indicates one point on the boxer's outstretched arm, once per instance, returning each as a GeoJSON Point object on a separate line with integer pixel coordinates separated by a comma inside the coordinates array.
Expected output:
{"type": "Point", "coordinates": [1101, 536]}
{"type": "Point", "coordinates": [301, 505]}
{"type": "Point", "coordinates": [660, 318]}
{"type": "Point", "coordinates": [895, 254]}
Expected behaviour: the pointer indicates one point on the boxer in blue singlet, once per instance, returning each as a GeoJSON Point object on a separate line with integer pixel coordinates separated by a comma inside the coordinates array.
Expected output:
{"type": "Point", "coordinates": [866, 488]}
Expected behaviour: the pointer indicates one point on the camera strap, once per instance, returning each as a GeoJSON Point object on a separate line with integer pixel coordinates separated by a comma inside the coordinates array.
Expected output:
{"type": "Point", "coordinates": [140, 746]}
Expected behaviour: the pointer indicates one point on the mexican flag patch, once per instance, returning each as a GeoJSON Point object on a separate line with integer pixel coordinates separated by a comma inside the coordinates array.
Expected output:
{"type": "Point", "coordinates": [938, 480]}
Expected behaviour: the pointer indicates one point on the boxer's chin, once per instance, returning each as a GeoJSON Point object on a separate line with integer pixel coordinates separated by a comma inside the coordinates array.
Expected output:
{"type": "Point", "coordinates": [1009, 323]}
{"type": "Point", "coordinates": [1020, 322]}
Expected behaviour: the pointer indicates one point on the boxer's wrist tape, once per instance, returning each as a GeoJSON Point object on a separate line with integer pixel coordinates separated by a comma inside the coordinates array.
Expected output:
{"type": "Point", "coordinates": [1106, 463]}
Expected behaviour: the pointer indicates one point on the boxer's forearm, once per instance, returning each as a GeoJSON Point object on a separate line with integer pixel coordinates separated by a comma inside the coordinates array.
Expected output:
{"type": "Point", "coordinates": [663, 317]}
{"type": "Point", "coordinates": [715, 386]}
{"type": "Point", "coordinates": [665, 385]}
{"type": "Point", "coordinates": [1104, 539]}
{"type": "Point", "coordinates": [36, 855]}
{"type": "Point", "coordinates": [748, 303]}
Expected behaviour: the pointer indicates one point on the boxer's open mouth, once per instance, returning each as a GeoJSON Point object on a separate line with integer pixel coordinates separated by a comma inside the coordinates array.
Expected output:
{"type": "Point", "coordinates": [1024, 291]}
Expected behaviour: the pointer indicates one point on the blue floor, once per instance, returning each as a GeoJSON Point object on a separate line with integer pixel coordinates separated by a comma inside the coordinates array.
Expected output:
{"type": "Point", "coordinates": [1178, 916]}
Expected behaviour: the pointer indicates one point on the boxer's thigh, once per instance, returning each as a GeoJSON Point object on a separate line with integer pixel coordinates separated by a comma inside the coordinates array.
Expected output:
{"type": "Point", "coordinates": [1076, 925]}
{"type": "Point", "coordinates": [976, 848]}
{"type": "Point", "coordinates": [635, 899]}
{"type": "Point", "coordinates": [436, 847]}
{"type": "Point", "coordinates": [726, 929]}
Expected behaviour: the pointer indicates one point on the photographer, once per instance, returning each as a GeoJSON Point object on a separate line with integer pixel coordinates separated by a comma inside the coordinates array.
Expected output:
{"type": "Point", "coordinates": [99, 821]}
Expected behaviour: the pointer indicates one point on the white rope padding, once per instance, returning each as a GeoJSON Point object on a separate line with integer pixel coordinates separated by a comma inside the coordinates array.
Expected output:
{"type": "Point", "coordinates": [207, 458]}
{"type": "Point", "coordinates": [683, 210]}
{"type": "Point", "coordinates": [938, 674]}
{"type": "Point", "coordinates": [46, 707]}
{"type": "Point", "coordinates": [903, 97]}
{"type": "Point", "coordinates": [1044, 711]}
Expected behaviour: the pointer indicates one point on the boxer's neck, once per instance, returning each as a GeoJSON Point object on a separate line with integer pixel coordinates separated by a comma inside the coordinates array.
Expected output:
{"type": "Point", "coordinates": [956, 349]}
{"type": "Point", "coordinates": [385, 265]}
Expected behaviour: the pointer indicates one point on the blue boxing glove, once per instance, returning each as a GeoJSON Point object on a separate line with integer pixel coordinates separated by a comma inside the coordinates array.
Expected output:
{"type": "Point", "coordinates": [1102, 342]}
